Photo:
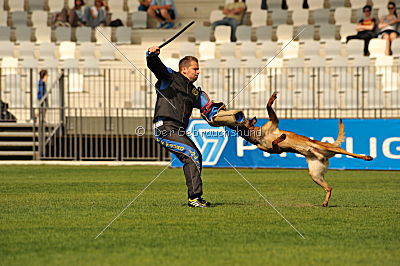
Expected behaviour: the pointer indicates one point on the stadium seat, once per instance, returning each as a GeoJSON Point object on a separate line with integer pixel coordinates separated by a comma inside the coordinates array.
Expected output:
{"type": "Point", "coordinates": [377, 47]}
{"type": "Point", "coordinates": [71, 63]}
{"type": "Point", "coordinates": [123, 35]}
{"type": "Point", "coordinates": [23, 33]}
{"type": "Point", "coordinates": [332, 48]}
{"type": "Point", "coordinates": [253, 4]}
{"type": "Point", "coordinates": [300, 17]}
{"type": "Point", "coordinates": [117, 5]}
{"type": "Point", "coordinates": [311, 48]}
{"type": "Point", "coordinates": [103, 34]}
{"type": "Point", "coordinates": [284, 33]}
{"type": "Point", "coordinates": [36, 5]}
{"type": "Point", "coordinates": [227, 49]}
{"type": "Point", "coordinates": [187, 48]}
{"type": "Point", "coordinates": [222, 34]}
{"type": "Point", "coordinates": [43, 34]}
{"type": "Point", "coordinates": [139, 19]}
{"type": "Point", "coordinates": [47, 50]}
{"type": "Point", "coordinates": [258, 18]}
{"type": "Point", "coordinates": [56, 5]}
{"type": "Point", "coordinates": [3, 18]}
{"type": "Point", "coordinates": [356, 4]}
{"type": "Point", "coordinates": [216, 15]}
{"type": "Point", "coordinates": [320, 16]}
{"type": "Point", "coordinates": [26, 50]}
{"type": "Point", "coordinates": [133, 6]}
{"type": "Point", "coordinates": [272, 4]}
{"type": "Point", "coordinates": [39, 18]}
{"type": "Point", "coordinates": [206, 50]}
{"type": "Point", "coordinates": [380, 4]}
{"type": "Point", "coordinates": [315, 4]}
{"type": "Point", "coordinates": [277, 17]}
{"type": "Point", "coordinates": [67, 50]}
{"type": "Point", "coordinates": [292, 50]}
{"type": "Point", "coordinates": [243, 33]}
{"type": "Point", "coordinates": [342, 15]}
{"type": "Point", "coordinates": [294, 4]}
{"type": "Point", "coordinates": [16, 5]}
{"type": "Point", "coordinates": [337, 4]}
{"type": "Point", "coordinates": [269, 49]}
{"type": "Point", "coordinates": [396, 46]}
{"type": "Point", "coordinates": [50, 63]}
{"type": "Point", "coordinates": [355, 47]}
{"type": "Point", "coordinates": [304, 32]}
{"type": "Point", "coordinates": [327, 32]}
{"type": "Point", "coordinates": [6, 48]}
{"type": "Point", "coordinates": [347, 29]}
{"type": "Point", "coordinates": [202, 34]}
{"type": "Point", "coordinates": [107, 52]}
{"type": "Point", "coordinates": [248, 50]}
{"type": "Point", "coordinates": [19, 18]}
{"type": "Point", "coordinates": [5, 33]}
{"type": "Point", "coordinates": [62, 34]}
{"type": "Point", "coordinates": [121, 15]}
{"type": "Point", "coordinates": [87, 50]}
{"type": "Point", "coordinates": [264, 33]}
{"type": "Point", "coordinates": [83, 34]}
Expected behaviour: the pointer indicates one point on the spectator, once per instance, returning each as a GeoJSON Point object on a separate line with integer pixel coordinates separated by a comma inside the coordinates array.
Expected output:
{"type": "Point", "coordinates": [388, 25]}
{"type": "Point", "coordinates": [264, 4]}
{"type": "Point", "coordinates": [143, 5]}
{"type": "Point", "coordinates": [75, 15]}
{"type": "Point", "coordinates": [365, 29]}
{"type": "Point", "coordinates": [96, 15]}
{"type": "Point", "coordinates": [42, 87]}
{"type": "Point", "coordinates": [164, 11]}
{"type": "Point", "coordinates": [233, 17]}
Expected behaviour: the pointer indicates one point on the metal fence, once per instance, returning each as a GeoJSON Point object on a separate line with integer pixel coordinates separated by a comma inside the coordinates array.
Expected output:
{"type": "Point", "coordinates": [107, 113]}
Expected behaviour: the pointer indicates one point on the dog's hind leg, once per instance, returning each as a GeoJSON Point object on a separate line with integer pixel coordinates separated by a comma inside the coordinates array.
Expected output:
{"type": "Point", "coordinates": [317, 169]}
{"type": "Point", "coordinates": [275, 147]}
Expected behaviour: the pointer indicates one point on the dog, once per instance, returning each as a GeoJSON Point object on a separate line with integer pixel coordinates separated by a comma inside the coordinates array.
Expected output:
{"type": "Point", "coordinates": [271, 139]}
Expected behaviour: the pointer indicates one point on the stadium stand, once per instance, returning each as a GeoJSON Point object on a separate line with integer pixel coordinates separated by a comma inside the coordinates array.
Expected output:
{"type": "Point", "coordinates": [248, 50]}
{"type": "Point", "coordinates": [258, 18]}
{"type": "Point", "coordinates": [264, 33]}
{"type": "Point", "coordinates": [300, 17]}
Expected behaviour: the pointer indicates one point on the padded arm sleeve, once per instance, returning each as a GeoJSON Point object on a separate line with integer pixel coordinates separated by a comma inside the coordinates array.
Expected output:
{"type": "Point", "coordinates": [157, 67]}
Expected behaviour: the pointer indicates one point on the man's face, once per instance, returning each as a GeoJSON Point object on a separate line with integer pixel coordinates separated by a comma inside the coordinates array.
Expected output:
{"type": "Point", "coordinates": [192, 72]}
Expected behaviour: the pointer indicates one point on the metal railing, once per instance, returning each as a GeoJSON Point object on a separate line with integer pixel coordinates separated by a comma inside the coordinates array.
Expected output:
{"type": "Point", "coordinates": [96, 113]}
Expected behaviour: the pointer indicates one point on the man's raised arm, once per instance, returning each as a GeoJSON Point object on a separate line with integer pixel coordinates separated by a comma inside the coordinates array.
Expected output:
{"type": "Point", "coordinates": [155, 65]}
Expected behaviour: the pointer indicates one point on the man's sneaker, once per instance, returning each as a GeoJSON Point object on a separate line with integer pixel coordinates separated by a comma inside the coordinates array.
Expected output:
{"type": "Point", "coordinates": [170, 25]}
{"type": "Point", "coordinates": [198, 203]}
{"type": "Point", "coordinates": [163, 24]}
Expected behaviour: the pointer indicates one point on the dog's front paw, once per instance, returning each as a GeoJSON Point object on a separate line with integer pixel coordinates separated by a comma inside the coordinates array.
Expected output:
{"type": "Point", "coordinates": [325, 204]}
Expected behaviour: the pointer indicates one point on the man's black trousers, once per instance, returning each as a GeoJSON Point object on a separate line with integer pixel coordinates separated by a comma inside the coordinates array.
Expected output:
{"type": "Point", "coordinates": [173, 136]}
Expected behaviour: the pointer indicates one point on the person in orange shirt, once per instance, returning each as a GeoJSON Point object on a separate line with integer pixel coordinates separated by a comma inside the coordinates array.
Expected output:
{"type": "Point", "coordinates": [365, 29]}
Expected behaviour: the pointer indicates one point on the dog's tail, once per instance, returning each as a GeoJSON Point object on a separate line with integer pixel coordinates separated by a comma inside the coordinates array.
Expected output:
{"type": "Point", "coordinates": [340, 137]}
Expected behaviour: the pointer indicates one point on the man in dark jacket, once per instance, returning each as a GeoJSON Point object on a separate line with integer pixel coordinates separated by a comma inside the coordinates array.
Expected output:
{"type": "Point", "coordinates": [176, 98]}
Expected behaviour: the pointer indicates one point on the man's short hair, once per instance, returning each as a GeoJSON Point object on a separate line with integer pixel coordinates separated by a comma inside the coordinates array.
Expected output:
{"type": "Point", "coordinates": [185, 62]}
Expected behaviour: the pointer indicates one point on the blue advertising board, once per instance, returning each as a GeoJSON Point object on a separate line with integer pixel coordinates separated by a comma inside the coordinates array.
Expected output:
{"type": "Point", "coordinates": [379, 138]}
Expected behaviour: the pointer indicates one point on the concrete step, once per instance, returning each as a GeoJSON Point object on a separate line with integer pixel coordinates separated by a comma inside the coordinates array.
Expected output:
{"type": "Point", "coordinates": [17, 134]}
{"type": "Point", "coordinates": [23, 125]}
{"type": "Point", "coordinates": [17, 143]}
{"type": "Point", "coordinates": [17, 153]}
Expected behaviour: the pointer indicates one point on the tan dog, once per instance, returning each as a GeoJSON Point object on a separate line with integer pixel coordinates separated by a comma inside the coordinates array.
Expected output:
{"type": "Point", "coordinates": [273, 140]}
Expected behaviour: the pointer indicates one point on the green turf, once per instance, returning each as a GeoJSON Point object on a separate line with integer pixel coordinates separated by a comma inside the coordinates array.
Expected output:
{"type": "Point", "coordinates": [51, 215]}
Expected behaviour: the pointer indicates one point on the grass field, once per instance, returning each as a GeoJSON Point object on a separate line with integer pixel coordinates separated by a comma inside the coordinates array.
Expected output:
{"type": "Point", "coordinates": [51, 215]}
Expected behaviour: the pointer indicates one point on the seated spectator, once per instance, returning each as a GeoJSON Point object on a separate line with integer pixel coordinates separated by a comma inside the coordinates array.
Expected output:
{"type": "Point", "coordinates": [143, 5]}
{"type": "Point", "coordinates": [96, 15]}
{"type": "Point", "coordinates": [233, 17]}
{"type": "Point", "coordinates": [164, 11]}
{"type": "Point", "coordinates": [75, 15]}
{"type": "Point", "coordinates": [388, 27]}
{"type": "Point", "coordinates": [365, 29]}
